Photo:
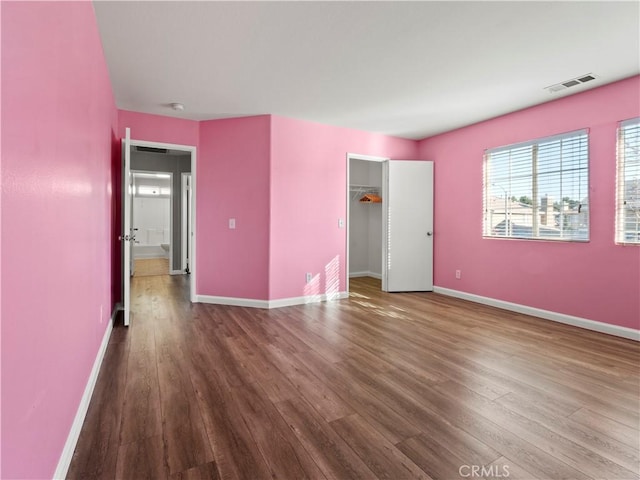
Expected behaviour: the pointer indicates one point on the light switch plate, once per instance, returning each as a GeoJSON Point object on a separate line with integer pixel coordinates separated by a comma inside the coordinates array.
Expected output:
{"type": "Point", "coordinates": [232, 223]}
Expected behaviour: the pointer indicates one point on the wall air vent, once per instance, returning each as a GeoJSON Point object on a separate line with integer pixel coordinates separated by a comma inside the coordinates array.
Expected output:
{"type": "Point", "coordinates": [558, 87]}
{"type": "Point", "coordinates": [151, 149]}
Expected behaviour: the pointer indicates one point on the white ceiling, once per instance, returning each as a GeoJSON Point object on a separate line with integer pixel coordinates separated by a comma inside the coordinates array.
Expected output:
{"type": "Point", "coordinates": [411, 69]}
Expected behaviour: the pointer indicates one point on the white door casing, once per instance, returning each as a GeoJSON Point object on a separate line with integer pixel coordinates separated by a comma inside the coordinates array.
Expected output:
{"type": "Point", "coordinates": [186, 221]}
{"type": "Point", "coordinates": [127, 236]}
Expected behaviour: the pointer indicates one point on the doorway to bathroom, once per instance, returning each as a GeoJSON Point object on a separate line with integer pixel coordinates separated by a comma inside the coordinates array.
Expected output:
{"type": "Point", "coordinates": [157, 160]}
{"type": "Point", "coordinates": [160, 172]}
{"type": "Point", "coordinates": [151, 221]}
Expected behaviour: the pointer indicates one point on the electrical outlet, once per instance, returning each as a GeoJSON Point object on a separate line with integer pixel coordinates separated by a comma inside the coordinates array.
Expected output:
{"type": "Point", "coordinates": [340, 223]}
{"type": "Point", "coordinates": [307, 277]}
{"type": "Point", "coordinates": [458, 274]}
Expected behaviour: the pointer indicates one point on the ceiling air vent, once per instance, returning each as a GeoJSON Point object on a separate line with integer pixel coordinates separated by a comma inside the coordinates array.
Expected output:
{"type": "Point", "coordinates": [571, 83]}
{"type": "Point", "coordinates": [556, 88]}
{"type": "Point", "coordinates": [586, 78]}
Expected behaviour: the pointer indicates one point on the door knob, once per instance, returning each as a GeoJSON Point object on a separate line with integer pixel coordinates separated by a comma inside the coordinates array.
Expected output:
{"type": "Point", "coordinates": [429, 234]}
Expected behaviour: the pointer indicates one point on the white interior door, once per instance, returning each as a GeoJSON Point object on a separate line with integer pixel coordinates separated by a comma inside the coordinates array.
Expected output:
{"type": "Point", "coordinates": [127, 236]}
{"type": "Point", "coordinates": [407, 226]}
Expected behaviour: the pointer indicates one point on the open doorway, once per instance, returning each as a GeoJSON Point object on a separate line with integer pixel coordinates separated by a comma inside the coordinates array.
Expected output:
{"type": "Point", "coordinates": [152, 223]}
{"type": "Point", "coordinates": [155, 158]}
{"type": "Point", "coordinates": [159, 163]}
{"type": "Point", "coordinates": [364, 217]}
{"type": "Point", "coordinates": [390, 223]}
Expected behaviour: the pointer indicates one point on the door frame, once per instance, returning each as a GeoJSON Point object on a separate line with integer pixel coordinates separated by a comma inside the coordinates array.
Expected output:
{"type": "Point", "coordinates": [185, 192]}
{"type": "Point", "coordinates": [368, 158]}
{"type": "Point", "coordinates": [126, 236]}
{"type": "Point", "coordinates": [192, 150]}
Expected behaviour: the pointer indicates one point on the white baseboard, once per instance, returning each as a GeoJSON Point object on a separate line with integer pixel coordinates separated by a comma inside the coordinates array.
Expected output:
{"type": "Point", "coordinates": [81, 413]}
{"type": "Point", "coordinates": [602, 327]}
{"type": "Point", "coordinates": [365, 274]}
{"type": "Point", "coordinates": [288, 302]}
{"type": "Point", "coordinates": [232, 301]}
{"type": "Point", "coordinates": [176, 272]}
{"type": "Point", "coordinates": [358, 274]}
{"type": "Point", "coordinates": [278, 303]}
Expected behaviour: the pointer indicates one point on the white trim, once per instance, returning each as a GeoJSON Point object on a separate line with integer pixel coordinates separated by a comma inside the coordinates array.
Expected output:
{"type": "Point", "coordinates": [268, 304]}
{"type": "Point", "coordinates": [171, 226]}
{"type": "Point", "coordinates": [385, 226]}
{"type": "Point", "coordinates": [288, 302]}
{"type": "Point", "coordinates": [370, 158]}
{"type": "Point", "coordinates": [139, 256]}
{"type": "Point", "coordinates": [72, 439]}
{"type": "Point", "coordinates": [176, 272]}
{"type": "Point", "coordinates": [601, 327]}
{"type": "Point", "coordinates": [127, 211]}
{"type": "Point", "coordinates": [528, 143]}
{"type": "Point", "coordinates": [185, 186]}
{"type": "Point", "coordinates": [233, 301]}
{"type": "Point", "coordinates": [365, 274]}
{"type": "Point", "coordinates": [630, 121]}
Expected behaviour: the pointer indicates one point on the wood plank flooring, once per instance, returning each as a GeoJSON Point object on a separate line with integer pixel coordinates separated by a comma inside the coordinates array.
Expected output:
{"type": "Point", "coordinates": [389, 386]}
{"type": "Point", "coordinates": [145, 267]}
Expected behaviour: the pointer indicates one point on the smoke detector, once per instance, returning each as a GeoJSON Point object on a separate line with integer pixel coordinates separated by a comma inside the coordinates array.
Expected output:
{"type": "Point", "coordinates": [573, 82]}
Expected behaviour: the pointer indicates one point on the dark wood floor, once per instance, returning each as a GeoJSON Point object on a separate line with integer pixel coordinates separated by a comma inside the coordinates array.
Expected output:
{"type": "Point", "coordinates": [393, 386]}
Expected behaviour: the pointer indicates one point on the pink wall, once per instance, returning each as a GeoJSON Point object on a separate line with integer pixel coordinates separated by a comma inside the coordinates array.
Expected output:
{"type": "Point", "coordinates": [233, 182]}
{"type": "Point", "coordinates": [597, 280]}
{"type": "Point", "coordinates": [308, 196]}
{"type": "Point", "coordinates": [58, 119]}
{"type": "Point", "coordinates": [158, 128]}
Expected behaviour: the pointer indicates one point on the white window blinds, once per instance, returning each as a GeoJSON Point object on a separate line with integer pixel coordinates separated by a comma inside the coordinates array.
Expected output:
{"type": "Point", "coordinates": [628, 180]}
{"type": "Point", "coordinates": [538, 189]}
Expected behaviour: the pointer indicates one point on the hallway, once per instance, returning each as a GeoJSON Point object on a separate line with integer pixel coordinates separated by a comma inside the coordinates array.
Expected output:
{"type": "Point", "coordinates": [377, 386]}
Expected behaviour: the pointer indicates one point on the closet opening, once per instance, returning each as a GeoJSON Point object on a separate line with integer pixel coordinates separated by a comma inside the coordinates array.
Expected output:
{"type": "Point", "coordinates": [390, 223]}
{"type": "Point", "coordinates": [365, 198]}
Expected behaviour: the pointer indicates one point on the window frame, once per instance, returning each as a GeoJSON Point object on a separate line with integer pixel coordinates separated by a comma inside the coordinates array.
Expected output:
{"type": "Point", "coordinates": [619, 231]}
{"type": "Point", "coordinates": [536, 198]}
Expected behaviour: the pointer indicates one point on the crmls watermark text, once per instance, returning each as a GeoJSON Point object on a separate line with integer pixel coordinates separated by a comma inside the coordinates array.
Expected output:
{"type": "Point", "coordinates": [477, 471]}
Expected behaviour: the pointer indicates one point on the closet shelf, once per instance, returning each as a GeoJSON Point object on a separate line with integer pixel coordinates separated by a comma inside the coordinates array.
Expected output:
{"type": "Point", "coordinates": [363, 190]}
